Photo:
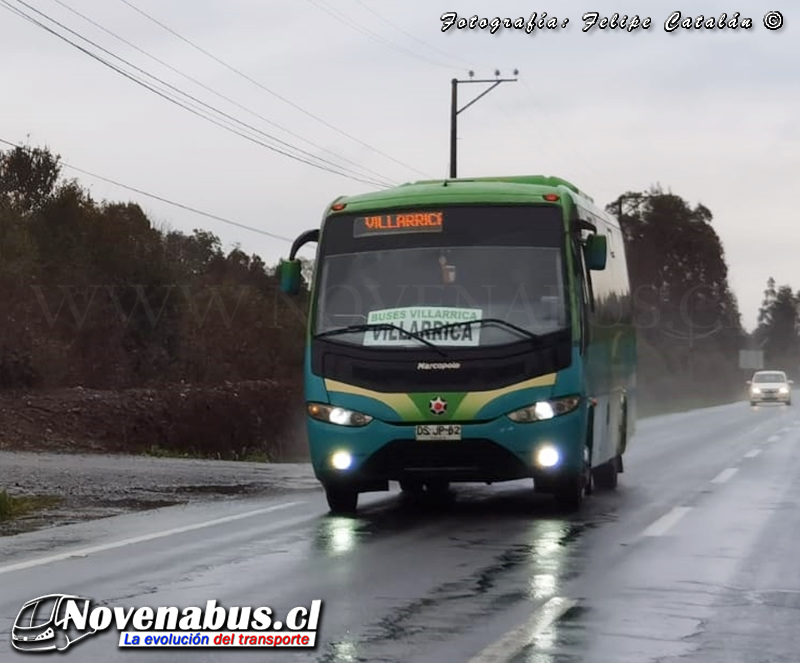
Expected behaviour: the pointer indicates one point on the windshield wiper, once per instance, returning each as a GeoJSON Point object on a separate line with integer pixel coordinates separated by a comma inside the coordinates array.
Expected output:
{"type": "Point", "coordinates": [494, 321]}
{"type": "Point", "coordinates": [352, 329]}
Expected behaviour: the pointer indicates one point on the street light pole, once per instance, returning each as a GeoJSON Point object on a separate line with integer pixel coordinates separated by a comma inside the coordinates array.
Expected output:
{"type": "Point", "coordinates": [455, 111]}
{"type": "Point", "coordinates": [453, 126]}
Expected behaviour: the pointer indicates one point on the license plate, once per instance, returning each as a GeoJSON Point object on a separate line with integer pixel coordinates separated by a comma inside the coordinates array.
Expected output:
{"type": "Point", "coordinates": [439, 432]}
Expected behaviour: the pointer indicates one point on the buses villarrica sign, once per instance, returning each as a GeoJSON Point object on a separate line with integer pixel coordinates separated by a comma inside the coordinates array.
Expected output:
{"type": "Point", "coordinates": [448, 326]}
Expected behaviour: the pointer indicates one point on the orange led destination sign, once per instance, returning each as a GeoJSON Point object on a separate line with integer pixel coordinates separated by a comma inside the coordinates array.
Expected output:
{"type": "Point", "coordinates": [393, 224]}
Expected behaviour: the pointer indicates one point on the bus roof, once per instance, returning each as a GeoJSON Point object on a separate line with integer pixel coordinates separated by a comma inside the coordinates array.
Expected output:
{"type": "Point", "coordinates": [549, 181]}
{"type": "Point", "coordinates": [511, 189]}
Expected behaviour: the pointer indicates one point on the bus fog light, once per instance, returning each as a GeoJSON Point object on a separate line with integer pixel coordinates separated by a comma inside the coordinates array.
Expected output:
{"type": "Point", "coordinates": [547, 456]}
{"type": "Point", "coordinates": [341, 460]}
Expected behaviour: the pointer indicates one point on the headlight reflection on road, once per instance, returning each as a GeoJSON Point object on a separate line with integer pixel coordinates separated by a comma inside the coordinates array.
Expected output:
{"type": "Point", "coordinates": [343, 535]}
{"type": "Point", "coordinates": [337, 536]}
{"type": "Point", "coordinates": [548, 556]}
{"type": "Point", "coordinates": [344, 652]}
{"type": "Point", "coordinates": [545, 640]}
{"type": "Point", "coordinates": [540, 657]}
{"type": "Point", "coordinates": [543, 586]}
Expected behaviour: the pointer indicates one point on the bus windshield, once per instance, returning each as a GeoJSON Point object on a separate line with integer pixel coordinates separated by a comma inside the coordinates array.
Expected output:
{"type": "Point", "coordinates": [436, 273]}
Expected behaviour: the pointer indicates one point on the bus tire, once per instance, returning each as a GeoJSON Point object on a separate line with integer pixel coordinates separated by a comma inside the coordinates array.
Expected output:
{"type": "Point", "coordinates": [437, 488]}
{"type": "Point", "coordinates": [341, 501]}
{"type": "Point", "coordinates": [569, 493]}
{"type": "Point", "coordinates": [605, 475]}
{"type": "Point", "coordinates": [623, 428]}
{"type": "Point", "coordinates": [412, 486]}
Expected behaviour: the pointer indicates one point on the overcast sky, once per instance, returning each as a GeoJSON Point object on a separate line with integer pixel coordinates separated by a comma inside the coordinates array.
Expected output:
{"type": "Point", "coordinates": [711, 115]}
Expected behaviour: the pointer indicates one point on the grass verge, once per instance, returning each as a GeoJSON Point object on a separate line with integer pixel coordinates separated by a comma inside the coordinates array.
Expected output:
{"type": "Point", "coordinates": [17, 507]}
{"type": "Point", "coordinates": [156, 451]}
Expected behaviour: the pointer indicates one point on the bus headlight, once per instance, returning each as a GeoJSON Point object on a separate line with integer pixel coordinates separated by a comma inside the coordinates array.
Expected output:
{"type": "Point", "coordinates": [337, 415]}
{"type": "Point", "coordinates": [544, 410]}
{"type": "Point", "coordinates": [341, 460]}
{"type": "Point", "coordinates": [547, 456]}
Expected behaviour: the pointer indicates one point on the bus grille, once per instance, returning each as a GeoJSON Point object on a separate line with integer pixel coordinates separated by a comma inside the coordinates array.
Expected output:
{"type": "Point", "coordinates": [463, 460]}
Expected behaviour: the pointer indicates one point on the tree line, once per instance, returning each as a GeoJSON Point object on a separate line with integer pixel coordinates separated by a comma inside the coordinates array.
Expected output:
{"type": "Point", "coordinates": [688, 319]}
{"type": "Point", "coordinates": [778, 332]}
{"type": "Point", "coordinates": [93, 293]}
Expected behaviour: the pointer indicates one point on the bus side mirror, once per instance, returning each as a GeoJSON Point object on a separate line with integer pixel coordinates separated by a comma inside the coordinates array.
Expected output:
{"type": "Point", "coordinates": [596, 252]}
{"type": "Point", "coordinates": [748, 382]}
{"type": "Point", "coordinates": [290, 271]}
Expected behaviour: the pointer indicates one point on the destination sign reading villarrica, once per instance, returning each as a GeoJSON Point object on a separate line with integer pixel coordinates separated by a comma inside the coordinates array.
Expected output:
{"type": "Point", "coordinates": [396, 224]}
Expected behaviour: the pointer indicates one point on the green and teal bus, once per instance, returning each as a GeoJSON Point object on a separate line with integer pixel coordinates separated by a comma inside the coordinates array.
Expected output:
{"type": "Point", "coordinates": [469, 330]}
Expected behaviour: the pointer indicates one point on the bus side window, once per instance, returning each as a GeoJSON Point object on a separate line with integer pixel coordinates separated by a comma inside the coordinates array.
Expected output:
{"type": "Point", "coordinates": [622, 289]}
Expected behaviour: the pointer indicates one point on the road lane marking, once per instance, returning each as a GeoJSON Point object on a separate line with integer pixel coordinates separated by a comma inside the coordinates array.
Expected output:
{"type": "Point", "coordinates": [774, 438]}
{"type": "Point", "coordinates": [665, 523]}
{"type": "Point", "coordinates": [83, 552]}
{"type": "Point", "coordinates": [723, 476]}
{"type": "Point", "coordinates": [517, 639]}
{"type": "Point", "coordinates": [753, 453]}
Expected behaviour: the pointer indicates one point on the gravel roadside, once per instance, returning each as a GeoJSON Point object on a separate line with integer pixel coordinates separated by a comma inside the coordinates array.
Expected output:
{"type": "Point", "coordinates": [95, 486]}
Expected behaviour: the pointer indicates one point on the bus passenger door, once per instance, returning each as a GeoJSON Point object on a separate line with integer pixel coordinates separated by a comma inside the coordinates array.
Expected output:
{"type": "Point", "coordinates": [596, 359]}
{"type": "Point", "coordinates": [594, 362]}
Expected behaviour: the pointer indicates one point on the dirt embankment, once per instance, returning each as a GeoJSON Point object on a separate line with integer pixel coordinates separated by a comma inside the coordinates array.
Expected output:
{"type": "Point", "coordinates": [77, 454]}
{"type": "Point", "coordinates": [254, 419]}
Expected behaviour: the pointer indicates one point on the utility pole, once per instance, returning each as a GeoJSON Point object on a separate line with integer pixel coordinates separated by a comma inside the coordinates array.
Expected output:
{"type": "Point", "coordinates": [455, 111]}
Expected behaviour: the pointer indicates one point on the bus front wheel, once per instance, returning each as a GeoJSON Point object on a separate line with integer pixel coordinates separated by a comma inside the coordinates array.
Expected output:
{"type": "Point", "coordinates": [569, 493]}
{"type": "Point", "coordinates": [341, 501]}
{"type": "Point", "coordinates": [606, 475]}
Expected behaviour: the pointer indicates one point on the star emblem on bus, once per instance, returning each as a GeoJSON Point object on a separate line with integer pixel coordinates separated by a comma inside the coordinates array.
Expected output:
{"type": "Point", "coordinates": [438, 405]}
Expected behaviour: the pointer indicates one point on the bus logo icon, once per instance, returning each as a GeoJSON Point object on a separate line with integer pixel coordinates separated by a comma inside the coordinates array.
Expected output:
{"type": "Point", "coordinates": [438, 405]}
{"type": "Point", "coordinates": [43, 624]}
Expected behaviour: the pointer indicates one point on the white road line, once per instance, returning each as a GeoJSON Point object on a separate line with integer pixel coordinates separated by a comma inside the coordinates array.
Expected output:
{"type": "Point", "coordinates": [753, 453]}
{"type": "Point", "coordinates": [517, 639]}
{"type": "Point", "coordinates": [661, 526]}
{"type": "Point", "coordinates": [723, 476]}
{"type": "Point", "coordinates": [774, 438]}
{"type": "Point", "coordinates": [83, 552]}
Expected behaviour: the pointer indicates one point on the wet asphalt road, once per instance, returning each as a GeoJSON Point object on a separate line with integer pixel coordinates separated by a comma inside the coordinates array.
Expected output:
{"type": "Point", "coordinates": [693, 558]}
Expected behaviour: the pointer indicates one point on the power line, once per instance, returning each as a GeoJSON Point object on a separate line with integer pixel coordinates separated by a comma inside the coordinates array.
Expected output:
{"type": "Point", "coordinates": [164, 95]}
{"type": "Point", "coordinates": [206, 87]}
{"type": "Point", "coordinates": [269, 91]}
{"type": "Point", "coordinates": [184, 105]}
{"type": "Point", "coordinates": [410, 35]}
{"type": "Point", "coordinates": [156, 197]}
{"type": "Point", "coordinates": [342, 18]}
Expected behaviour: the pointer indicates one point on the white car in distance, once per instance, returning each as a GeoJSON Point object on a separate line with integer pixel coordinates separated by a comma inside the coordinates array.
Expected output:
{"type": "Point", "coordinates": [770, 387]}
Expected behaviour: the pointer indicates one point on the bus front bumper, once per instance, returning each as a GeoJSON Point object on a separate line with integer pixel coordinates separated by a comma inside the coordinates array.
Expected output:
{"type": "Point", "coordinates": [368, 457]}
